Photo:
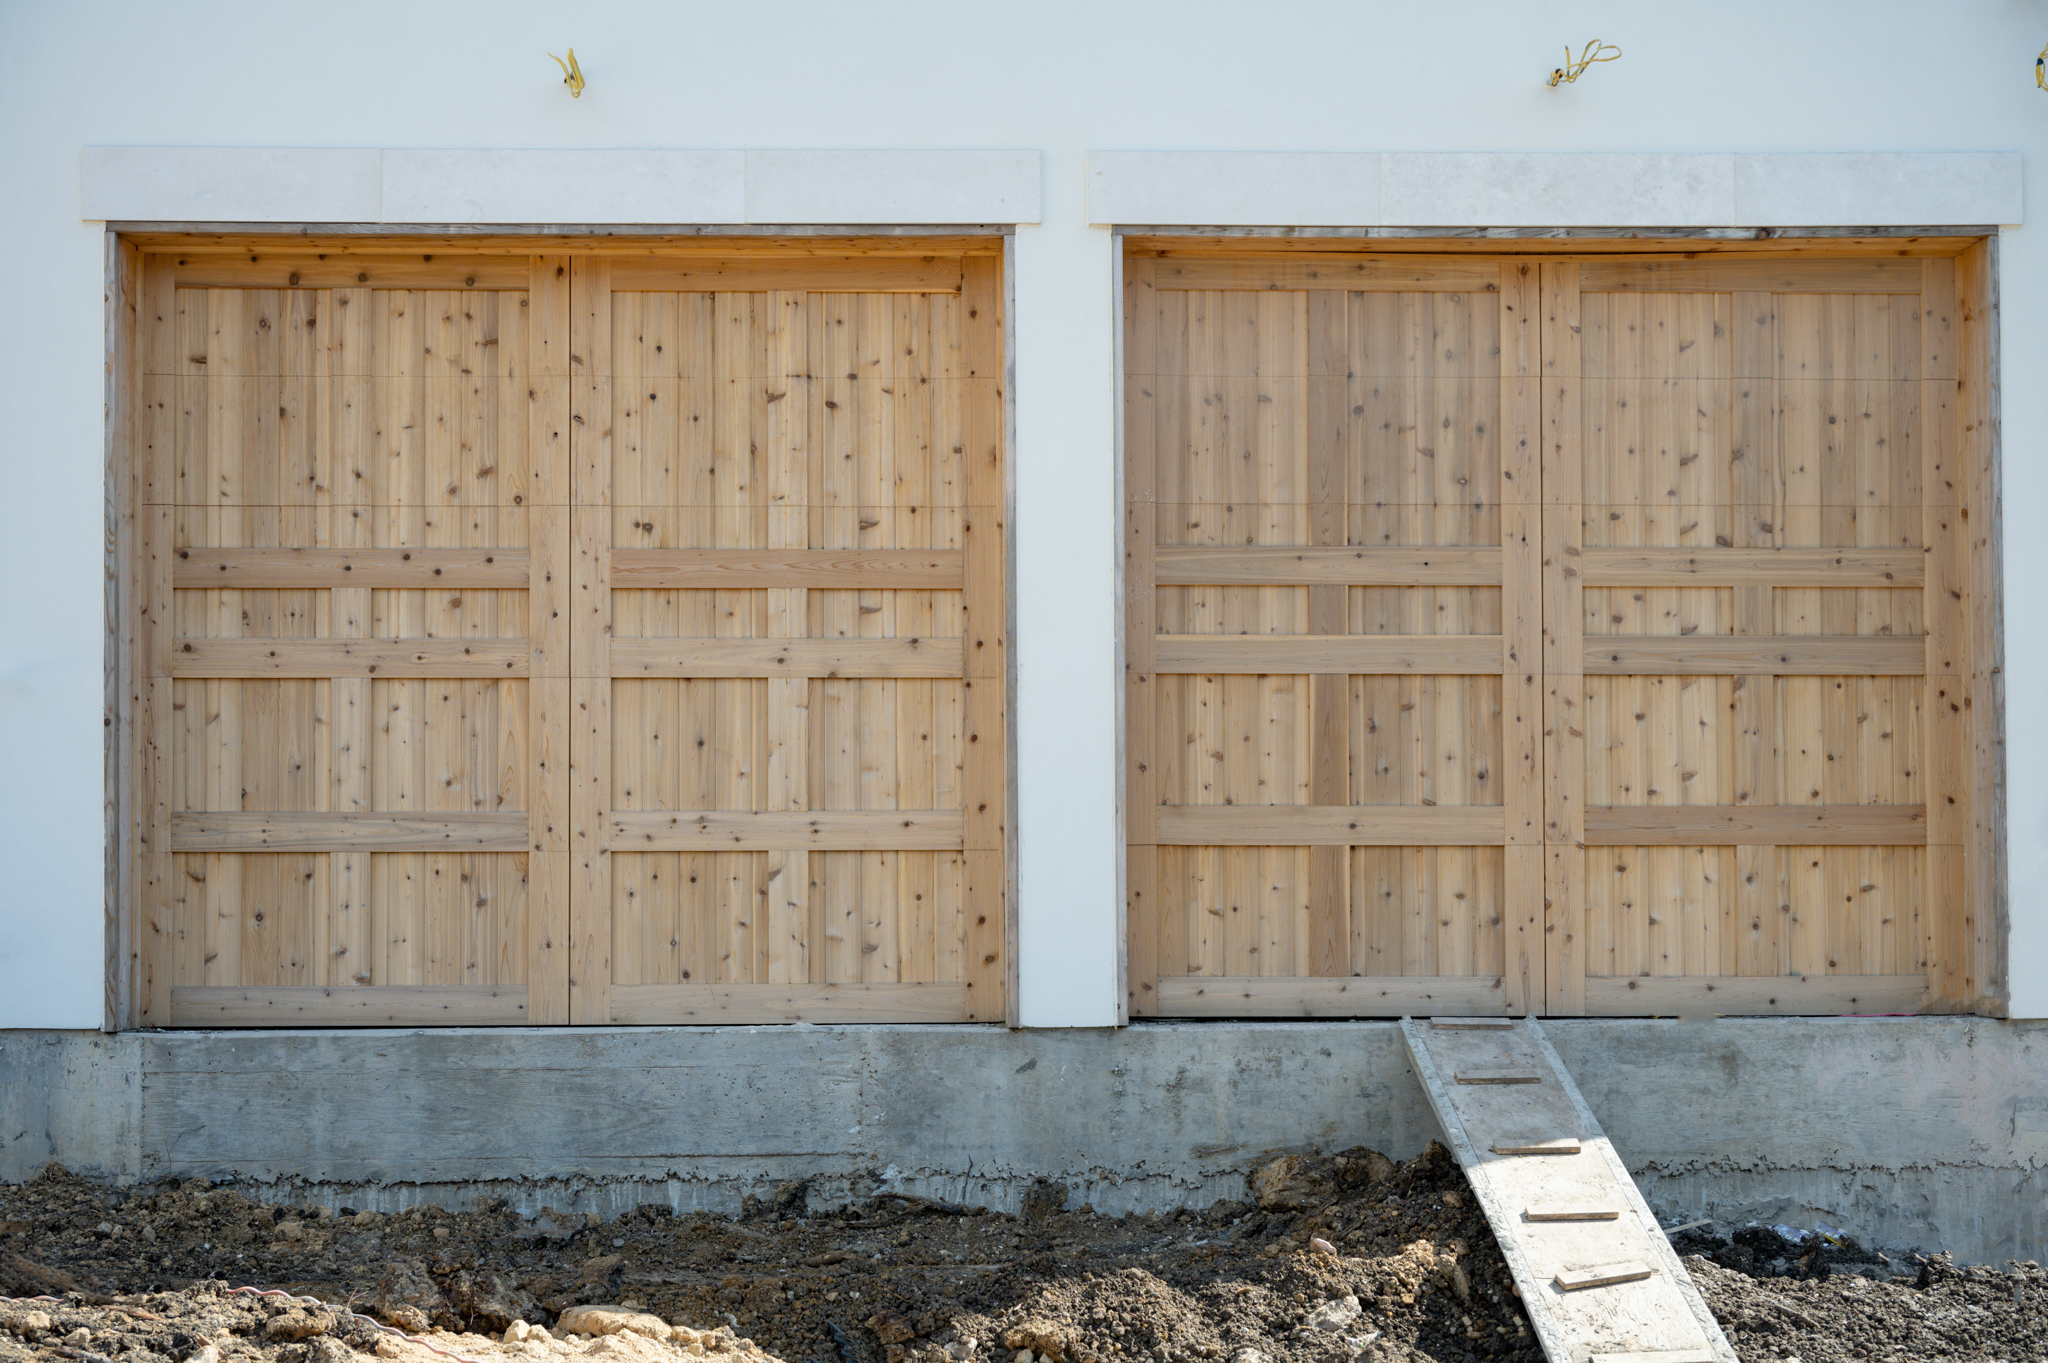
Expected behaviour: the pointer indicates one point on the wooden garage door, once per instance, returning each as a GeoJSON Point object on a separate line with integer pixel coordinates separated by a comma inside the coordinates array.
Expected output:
{"type": "Point", "coordinates": [1332, 635]}
{"type": "Point", "coordinates": [552, 638]}
{"type": "Point", "coordinates": [1767, 642]}
{"type": "Point", "coordinates": [789, 596]}
{"type": "Point", "coordinates": [1645, 688]}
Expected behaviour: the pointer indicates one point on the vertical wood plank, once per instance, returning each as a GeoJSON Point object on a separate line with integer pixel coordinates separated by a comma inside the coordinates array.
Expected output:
{"type": "Point", "coordinates": [124, 398]}
{"type": "Point", "coordinates": [1142, 928]}
{"type": "Point", "coordinates": [787, 928]}
{"type": "Point", "coordinates": [350, 437]}
{"type": "Point", "coordinates": [1329, 738]}
{"type": "Point", "coordinates": [548, 380]}
{"type": "Point", "coordinates": [159, 927]}
{"type": "Point", "coordinates": [1564, 767]}
{"type": "Point", "coordinates": [591, 413]}
{"type": "Point", "coordinates": [1523, 690]}
{"type": "Point", "coordinates": [1945, 616]}
{"type": "Point", "coordinates": [1984, 892]}
{"type": "Point", "coordinates": [985, 611]}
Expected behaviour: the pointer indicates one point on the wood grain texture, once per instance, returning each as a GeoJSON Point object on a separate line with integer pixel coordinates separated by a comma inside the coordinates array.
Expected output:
{"type": "Point", "coordinates": [1835, 568]}
{"type": "Point", "coordinates": [816, 1003]}
{"type": "Point", "coordinates": [1328, 826]}
{"type": "Point", "coordinates": [1779, 656]}
{"type": "Point", "coordinates": [1264, 655]}
{"type": "Point", "coordinates": [344, 568]}
{"type": "Point", "coordinates": [1449, 274]}
{"type": "Point", "coordinates": [759, 830]}
{"type": "Point", "coordinates": [436, 658]}
{"type": "Point", "coordinates": [1728, 274]}
{"type": "Point", "coordinates": [1285, 565]}
{"type": "Point", "coordinates": [1199, 996]}
{"type": "Point", "coordinates": [1745, 996]}
{"type": "Point", "coordinates": [1564, 684]}
{"type": "Point", "coordinates": [303, 1006]}
{"type": "Point", "coordinates": [870, 274]}
{"type": "Point", "coordinates": [1756, 825]}
{"type": "Point", "coordinates": [881, 658]}
{"type": "Point", "coordinates": [245, 831]}
{"type": "Point", "coordinates": [1143, 916]}
{"type": "Point", "coordinates": [796, 566]}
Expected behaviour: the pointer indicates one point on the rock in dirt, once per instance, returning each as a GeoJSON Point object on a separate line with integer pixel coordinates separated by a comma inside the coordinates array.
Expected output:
{"type": "Point", "coordinates": [1040, 1336]}
{"type": "Point", "coordinates": [25, 1321]}
{"type": "Point", "coordinates": [1291, 1183]}
{"type": "Point", "coordinates": [298, 1323]}
{"type": "Point", "coordinates": [1332, 1316]}
{"type": "Point", "coordinates": [488, 1301]}
{"type": "Point", "coordinates": [1300, 1182]}
{"type": "Point", "coordinates": [611, 1320]}
{"type": "Point", "coordinates": [326, 1349]}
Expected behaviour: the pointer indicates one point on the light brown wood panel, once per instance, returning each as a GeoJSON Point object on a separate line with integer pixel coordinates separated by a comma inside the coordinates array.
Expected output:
{"type": "Point", "coordinates": [1655, 586]}
{"type": "Point", "coordinates": [342, 498]}
{"type": "Point", "coordinates": [1750, 610]}
{"type": "Point", "coordinates": [1317, 592]}
{"type": "Point", "coordinates": [794, 475]}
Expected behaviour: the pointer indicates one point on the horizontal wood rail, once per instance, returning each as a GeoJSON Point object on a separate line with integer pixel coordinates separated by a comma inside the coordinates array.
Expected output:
{"type": "Point", "coordinates": [1730, 273]}
{"type": "Point", "coordinates": [256, 569]}
{"type": "Point", "coordinates": [719, 830]}
{"type": "Point", "coordinates": [1290, 565]}
{"type": "Point", "coordinates": [1254, 996]}
{"type": "Point", "coordinates": [1329, 826]}
{"type": "Point", "coordinates": [383, 1005]}
{"type": "Point", "coordinates": [287, 269]}
{"type": "Point", "coordinates": [349, 658]}
{"type": "Point", "coordinates": [787, 658]}
{"type": "Point", "coordinates": [1780, 655]}
{"type": "Point", "coordinates": [1754, 995]}
{"type": "Point", "coordinates": [246, 831]}
{"type": "Point", "coordinates": [760, 274]}
{"type": "Point", "coordinates": [1752, 567]}
{"type": "Point", "coordinates": [741, 1003]}
{"type": "Point", "coordinates": [1269, 654]}
{"type": "Point", "coordinates": [1412, 274]}
{"type": "Point", "coordinates": [1756, 825]}
{"type": "Point", "coordinates": [841, 569]}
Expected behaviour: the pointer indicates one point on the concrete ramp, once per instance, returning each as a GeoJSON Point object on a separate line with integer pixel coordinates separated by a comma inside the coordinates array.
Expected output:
{"type": "Point", "coordinates": [1600, 1282]}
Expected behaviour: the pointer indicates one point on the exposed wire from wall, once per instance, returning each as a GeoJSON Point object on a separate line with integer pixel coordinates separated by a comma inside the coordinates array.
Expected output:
{"type": "Point", "coordinates": [1573, 68]}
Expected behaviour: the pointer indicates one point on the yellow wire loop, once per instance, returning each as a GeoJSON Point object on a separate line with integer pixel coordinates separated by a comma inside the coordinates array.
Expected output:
{"type": "Point", "coordinates": [1595, 51]}
{"type": "Point", "coordinates": [2041, 69]}
{"type": "Point", "coordinates": [572, 74]}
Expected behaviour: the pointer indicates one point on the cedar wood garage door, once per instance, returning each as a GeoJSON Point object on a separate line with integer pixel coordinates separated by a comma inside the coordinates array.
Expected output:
{"type": "Point", "coordinates": [1573, 635]}
{"type": "Point", "coordinates": [579, 637]}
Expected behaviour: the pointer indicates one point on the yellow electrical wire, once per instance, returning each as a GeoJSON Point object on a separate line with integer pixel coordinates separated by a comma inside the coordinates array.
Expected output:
{"type": "Point", "coordinates": [572, 74]}
{"type": "Point", "coordinates": [1595, 51]}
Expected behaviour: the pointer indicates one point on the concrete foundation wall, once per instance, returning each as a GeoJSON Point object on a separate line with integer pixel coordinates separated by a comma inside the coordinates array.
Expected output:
{"type": "Point", "coordinates": [1925, 1132]}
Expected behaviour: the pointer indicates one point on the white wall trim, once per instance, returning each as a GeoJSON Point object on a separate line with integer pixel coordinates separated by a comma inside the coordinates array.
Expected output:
{"type": "Point", "coordinates": [1553, 189]}
{"type": "Point", "coordinates": [579, 186]}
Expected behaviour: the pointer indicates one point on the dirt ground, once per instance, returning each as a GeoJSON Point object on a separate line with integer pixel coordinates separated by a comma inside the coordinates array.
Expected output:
{"type": "Point", "coordinates": [142, 1274]}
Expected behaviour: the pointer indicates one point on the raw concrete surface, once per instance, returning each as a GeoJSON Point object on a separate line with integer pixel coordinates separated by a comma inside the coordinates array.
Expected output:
{"type": "Point", "coordinates": [1912, 1132]}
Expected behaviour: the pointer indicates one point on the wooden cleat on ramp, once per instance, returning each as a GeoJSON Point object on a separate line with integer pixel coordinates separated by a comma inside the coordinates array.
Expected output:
{"type": "Point", "coordinates": [1560, 1212]}
{"type": "Point", "coordinates": [1658, 1356]}
{"type": "Point", "coordinates": [1606, 1275]}
{"type": "Point", "coordinates": [1499, 1076]}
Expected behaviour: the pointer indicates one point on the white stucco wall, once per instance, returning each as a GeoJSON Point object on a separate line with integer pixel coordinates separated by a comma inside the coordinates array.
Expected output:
{"type": "Point", "coordinates": [1059, 77]}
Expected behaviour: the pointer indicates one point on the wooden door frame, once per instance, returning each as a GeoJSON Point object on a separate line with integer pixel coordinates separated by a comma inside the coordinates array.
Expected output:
{"type": "Point", "coordinates": [126, 244]}
{"type": "Point", "coordinates": [1978, 962]}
